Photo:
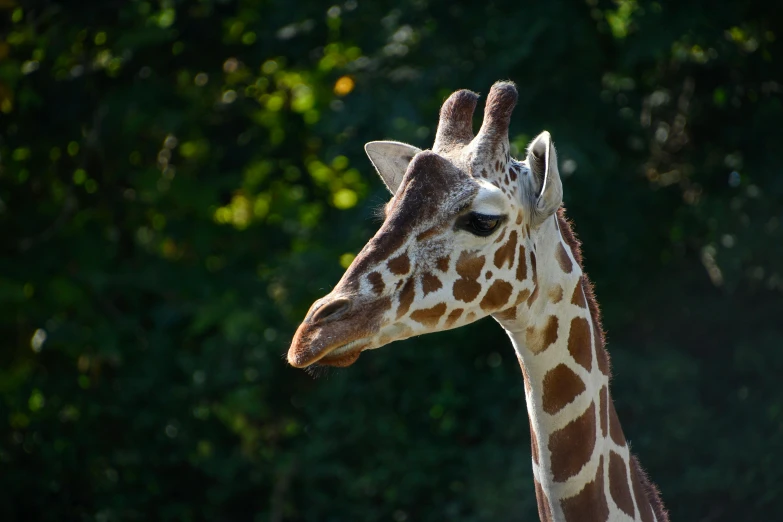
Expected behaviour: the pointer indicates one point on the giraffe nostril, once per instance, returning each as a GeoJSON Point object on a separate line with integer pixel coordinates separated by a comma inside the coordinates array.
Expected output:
{"type": "Point", "coordinates": [331, 311]}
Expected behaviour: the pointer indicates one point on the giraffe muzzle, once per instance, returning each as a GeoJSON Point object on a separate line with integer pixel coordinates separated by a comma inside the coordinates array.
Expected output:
{"type": "Point", "coordinates": [336, 330]}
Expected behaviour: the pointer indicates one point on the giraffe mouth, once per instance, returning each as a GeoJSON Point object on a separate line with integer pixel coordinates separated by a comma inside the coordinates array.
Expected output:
{"type": "Point", "coordinates": [337, 342]}
{"type": "Point", "coordinates": [343, 355]}
{"type": "Point", "coordinates": [339, 355]}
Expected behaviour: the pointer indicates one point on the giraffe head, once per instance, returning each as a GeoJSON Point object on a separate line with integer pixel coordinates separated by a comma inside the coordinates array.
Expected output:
{"type": "Point", "coordinates": [458, 242]}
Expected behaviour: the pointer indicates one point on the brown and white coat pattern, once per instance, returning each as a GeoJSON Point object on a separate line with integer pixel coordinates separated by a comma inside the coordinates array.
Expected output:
{"type": "Point", "coordinates": [433, 267]}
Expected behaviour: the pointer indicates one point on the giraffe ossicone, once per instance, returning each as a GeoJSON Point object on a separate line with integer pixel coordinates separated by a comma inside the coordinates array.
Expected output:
{"type": "Point", "coordinates": [470, 232]}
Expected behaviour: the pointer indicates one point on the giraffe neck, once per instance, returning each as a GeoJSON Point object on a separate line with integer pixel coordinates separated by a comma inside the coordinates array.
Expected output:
{"type": "Point", "coordinates": [582, 466]}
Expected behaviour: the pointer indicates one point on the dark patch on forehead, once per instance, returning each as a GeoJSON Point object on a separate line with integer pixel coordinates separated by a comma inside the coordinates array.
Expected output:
{"type": "Point", "coordinates": [428, 182]}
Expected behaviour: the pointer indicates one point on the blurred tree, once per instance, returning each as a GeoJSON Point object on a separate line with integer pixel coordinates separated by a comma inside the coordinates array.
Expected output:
{"type": "Point", "coordinates": [180, 179]}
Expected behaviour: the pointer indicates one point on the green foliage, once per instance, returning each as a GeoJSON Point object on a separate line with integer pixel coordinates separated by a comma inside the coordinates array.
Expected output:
{"type": "Point", "coordinates": [179, 180]}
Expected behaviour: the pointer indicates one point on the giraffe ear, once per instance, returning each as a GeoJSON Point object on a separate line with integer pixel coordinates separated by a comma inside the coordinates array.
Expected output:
{"type": "Point", "coordinates": [548, 189]}
{"type": "Point", "coordinates": [391, 159]}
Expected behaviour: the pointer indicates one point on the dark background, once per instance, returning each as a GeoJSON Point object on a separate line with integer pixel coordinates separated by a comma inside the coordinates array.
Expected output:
{"type": "Point", "coordinates": [180, 180]}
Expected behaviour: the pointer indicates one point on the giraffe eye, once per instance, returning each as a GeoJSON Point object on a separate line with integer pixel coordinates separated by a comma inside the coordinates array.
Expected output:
{"type": "Point", "coordinates": [479, 224]}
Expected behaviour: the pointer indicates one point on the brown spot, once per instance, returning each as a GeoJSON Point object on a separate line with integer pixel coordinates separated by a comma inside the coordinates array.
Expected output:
{"type": "Point", "coordinates": [533, 266]}
{"type": "Point", "coordinates": [512, 174]}
{"type": "Point", "coordinates": [465, 290]}
{"type": "Point", "coordinates": [579, 343]}
{"type": "Point", "coordinates": [563, 259]}
{"type": "Point", "coordinates": [561, 387]}
{"type": "Point", "coordinates": [427, 234]}
{"type": "Point", "coordinates": [521, 264]}
{"type": "Point", "coordinates": [589, 505]}
{"type": "Point", "coordinates": [556, 294]}
{"type": "Point", "coordinates": [540, 340]}
{"type": "Point", "coordinates": [376, 280]}
{"type": "Point", "coordinates": [453, 316]}
{"type": "Point", "coordinates": [443, 264]}
{"type": "Point", "coordinates": [483, 173]}
{"type": "Point", "coordinates": [400, 265]}
{"type": "Point", "coordinates": [523, 295]}
{"type": "Point", "coordinates": [640, 483]}
{"type": "Point", "coordinates": [533, 297]}
{"type": "Point", "coordinates": [469, 267]}
{"type": "Point", "coordinates": [506, 180]}
{"type": "Point", "coordinates": [572, 446]}
{"type": "Point", "coordinates": [488, 275]}
{"type": "Point", "coordinates": [615, 430]}
{"type": "Point", "coordinates": [618, 484]}
{"type": "Point", "coordinates": [430, 283]}
{"type": "Point", "coordinates": [406, 297]}
{"type": "Point", "coordinates": [578, 298]}
{"type": "Point", "coordinates": [502, 236]}
{"type": "Point", "coordinates": [604, 397]}
{"type": "Point", "coordinates": [519, 218]}
{"type": "Point", "coordinates": [470, 317]}
{"type": "Point", "coordinates": [497, 296]}
{"type": "Point", "coordinates": [429, 317]}
{"type": "Point", "coordinates": [544, 509]}
{"type": "Point", "coordinates": [507, 251]}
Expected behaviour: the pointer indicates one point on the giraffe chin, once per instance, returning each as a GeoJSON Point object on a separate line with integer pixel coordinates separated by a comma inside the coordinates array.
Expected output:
{"type": "Point", "coordinates": [340, 361]}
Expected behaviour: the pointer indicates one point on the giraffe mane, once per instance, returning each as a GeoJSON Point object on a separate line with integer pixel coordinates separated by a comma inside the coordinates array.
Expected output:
{"type": "Point", "coordinates": [649, 489]}
{"type": "Point", "coordinates": [567, 231]}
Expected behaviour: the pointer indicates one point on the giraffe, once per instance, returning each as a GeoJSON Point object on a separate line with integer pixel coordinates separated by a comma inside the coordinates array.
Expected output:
{"type": "Point", "coordinates": [470, 232]}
